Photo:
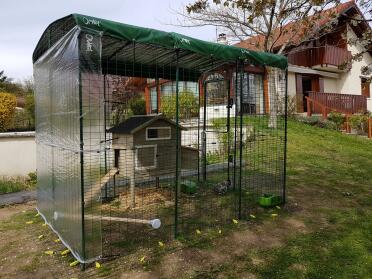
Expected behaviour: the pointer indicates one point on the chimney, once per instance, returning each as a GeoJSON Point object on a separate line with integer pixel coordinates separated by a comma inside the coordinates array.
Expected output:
{"type": "Point", "coordinates": [222, 39]}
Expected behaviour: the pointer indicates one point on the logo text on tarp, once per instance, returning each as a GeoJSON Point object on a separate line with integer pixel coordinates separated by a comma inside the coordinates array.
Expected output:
{"type": "Point", "coordinates": [92, 21]}
{"type": "Point", "coordinates": [89, 39]}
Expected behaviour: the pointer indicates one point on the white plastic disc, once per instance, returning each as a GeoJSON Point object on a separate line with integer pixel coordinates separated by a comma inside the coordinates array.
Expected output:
{"type": "Point", "coordinates": [155, 223]}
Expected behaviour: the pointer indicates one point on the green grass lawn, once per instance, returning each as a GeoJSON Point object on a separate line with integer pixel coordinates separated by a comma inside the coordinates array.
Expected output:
{"type": "Point", "coordinates": [324, 230]}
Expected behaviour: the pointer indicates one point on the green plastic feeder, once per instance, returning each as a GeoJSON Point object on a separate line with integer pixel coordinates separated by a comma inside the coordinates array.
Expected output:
{"type": "Point", "coordinates": [188, 187]}
{"type": "Point", "coordinates": [269, 200]}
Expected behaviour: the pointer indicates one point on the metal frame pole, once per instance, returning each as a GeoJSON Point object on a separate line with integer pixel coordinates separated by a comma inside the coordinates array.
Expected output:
{"type": "Point", "coordinates": [285, 137]}
{"type": "Point", "coordinates": [177, 149]}
{"type": "Point", "coordinates": [241, 139]}
{"type": "Point", "coordinates": [81, 156]}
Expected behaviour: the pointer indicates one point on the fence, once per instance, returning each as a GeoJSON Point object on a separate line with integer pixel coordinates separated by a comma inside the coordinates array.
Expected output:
{"type": "Point", "coordinates": [345, 103]}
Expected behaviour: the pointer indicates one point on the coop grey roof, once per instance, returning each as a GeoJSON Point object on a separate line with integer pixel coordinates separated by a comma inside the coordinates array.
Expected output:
{"type": "Point", "coordinates": [136, 123]}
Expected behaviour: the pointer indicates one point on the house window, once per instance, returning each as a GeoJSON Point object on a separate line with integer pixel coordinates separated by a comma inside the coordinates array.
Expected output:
{"type": "Point", "coordinates": [145, 157]}
{"type": "Point", "coordinates": [365, 88]}
{"type": "Point", "coordinates": [158, 133]}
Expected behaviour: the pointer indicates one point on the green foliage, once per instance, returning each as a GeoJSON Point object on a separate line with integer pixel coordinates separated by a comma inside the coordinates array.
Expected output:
{"type": "Point", "coordinates": [11, 186]}
{"type": "Point", "coordinates": [32, 180]}
{"type": "Point", "coordinates": [3, 77]}
{"type": "Point", "coordinates": [138, 106]}
{"type": "Point", "coordinates": [359, 122]}
{"type": "Point", "coordinates": [188, 105]}
{"type": "Point", "coordinates": [7, 110]}
{"type": "Point", "coordinates": [30, 106]}
{"type": "Point", "coordinates": [15, 184]}
{"type": "Point", "coordinates": [318, 122]}
{"type": "Point", "coordinates": [337, 118]}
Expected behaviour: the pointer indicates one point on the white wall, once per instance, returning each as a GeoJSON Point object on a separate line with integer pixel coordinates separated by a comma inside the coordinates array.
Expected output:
{"type": "Point", "coordinates": [330, 85]}
{"type": "Point", "coordinates": [291, 84]}
{"type": "Point", "coordinates": [349, 82]}
{"type": "Point", "coordinates": [18, 153]}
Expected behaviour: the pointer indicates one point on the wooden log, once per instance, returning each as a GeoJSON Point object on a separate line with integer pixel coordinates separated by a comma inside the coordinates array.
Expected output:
{"type": "Point", "coordinates": [96, 188]}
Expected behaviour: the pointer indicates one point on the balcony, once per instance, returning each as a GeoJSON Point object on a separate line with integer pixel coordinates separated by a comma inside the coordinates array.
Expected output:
{"type": "Point", "coordinates": [319, 102]}
{"type": "Point", "coordinates": [326, 58]}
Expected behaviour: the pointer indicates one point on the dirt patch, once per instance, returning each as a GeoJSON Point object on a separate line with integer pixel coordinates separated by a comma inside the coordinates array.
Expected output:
{"type": "Point", "coordinates": [8, 211]}
{"type": "Point", "coordinates": [296, 224]}
{"type": "Point", "coordinates": [248, 276]}
{"type": "Point", "coordinates": [299, 267]}
{"type": "Point", "coordinates": [139, 275]}
{"type": "Point", "coordinates": [144, 199]}
{"type": "Point", "coordinates": [257, 261]}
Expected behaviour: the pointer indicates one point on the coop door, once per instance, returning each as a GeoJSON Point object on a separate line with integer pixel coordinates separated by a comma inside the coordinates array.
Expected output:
{"type": "Point", "coordinates": [216, 129]}
{"type": "Point", "coordinates": [145, 157]}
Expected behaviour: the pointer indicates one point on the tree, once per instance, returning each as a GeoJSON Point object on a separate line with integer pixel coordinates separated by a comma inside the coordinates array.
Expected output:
{"type": "Point", "coordinates": [30, 107]}
{"type": "Point", "coordinates": [276, 24]}
{"type": "Point", "coordinates": [269, 19]}
{"type": "Point", "coordinates": [138, 106]}
{"type": "Point", "coordinates": [365, 41]}
{"type": "Point", "coordinates": [3, 77]}
{"type": "Point", "coordinates": [188, 105]}
{"type": "Point", "coordinates": [7, 110]}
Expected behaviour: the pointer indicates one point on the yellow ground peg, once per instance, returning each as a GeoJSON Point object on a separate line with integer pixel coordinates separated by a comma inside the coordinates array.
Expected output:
{"type": "Point", "coordinates": [29, 222]}
{"type": "Point", "coordinates": [40, 236]}
{"type": "Point", "coordinates": [235, 221]}
{"type": "Point", "coordinates": [161, 244]}
{"type": "Point", "coordinates": [57, 240]}
{"type": "Point", "coordinates": [37, 214]}
{"type": "Point", "coordinates": [49, 252]}
{"type": "Point", "coordinates": [74, 263]}
{"type": "Point", "coordinates": [65, 252]}
{"type": "Point", "coordinates": [252, 216]}
{"type": "Point", "coordinates": [98, 265]}
{"type": "Point", "coordinates": [277, 207]}
{"type": "Point", "coordinates": [142, 260]}
{"type": "Point", "coordinates": [44, 225]}
{"type": "Point", "coordinates": [198, 231]}
{"type": "Point", "coordinates": [274, 215]}
{"type": "Point", "coordinates": [220, 231]}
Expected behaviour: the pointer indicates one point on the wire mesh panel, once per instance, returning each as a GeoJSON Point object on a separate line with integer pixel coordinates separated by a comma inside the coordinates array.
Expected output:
{"type": "Point", "coordinates": [58, 143]}
{"type": "Point", "coordinates": [262, 126]}
{"type": "Point", "coordinates": [145, 135]}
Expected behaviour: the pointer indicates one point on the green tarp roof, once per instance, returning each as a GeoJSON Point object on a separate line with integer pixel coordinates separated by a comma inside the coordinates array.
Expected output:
{"type": "Point", "coordinates": [169, 40]}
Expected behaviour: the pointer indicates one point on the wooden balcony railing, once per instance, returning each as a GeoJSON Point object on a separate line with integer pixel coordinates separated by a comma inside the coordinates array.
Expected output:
{"type": "Point", "coordinates": [345, 103]}
{"type": "Point", "coordinates": [324, 55]}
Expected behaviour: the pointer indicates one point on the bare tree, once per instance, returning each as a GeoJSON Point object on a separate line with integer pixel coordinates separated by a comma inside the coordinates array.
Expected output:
{"type": "Point", "coordinates": [364, 42]}
{"type": "Point", "coordinates": [272, 20]}
{"type": "Point", "coordinates": [276, 25]}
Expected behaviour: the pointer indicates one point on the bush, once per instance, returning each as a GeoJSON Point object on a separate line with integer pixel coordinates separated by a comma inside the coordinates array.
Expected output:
{"type": "Point", "coordinates": [7, 110]}
{"type": "Point", "coordinates": [359, 122]}
{"type": "Point", "coordinates": [32, 179]}
{"type": "Point", "coordinates": [138, 106]}
{"type": "Point", "coordinates": [318, 122]}
{"type": "Point", "coordinates": [30, 107]}
{"type": "Point", "coordinates": [188, 105]}
{"type": "Point", "coordinates": [337, 118]}
{"type": "Point", "coordinates": [22, 122]}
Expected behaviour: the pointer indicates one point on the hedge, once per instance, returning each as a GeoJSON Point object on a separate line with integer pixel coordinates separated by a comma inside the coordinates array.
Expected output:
{"type": "Point", "coordinates": [7, 110]}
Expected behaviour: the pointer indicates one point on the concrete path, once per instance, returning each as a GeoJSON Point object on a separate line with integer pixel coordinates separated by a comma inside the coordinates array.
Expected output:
{"type": "Point", "coordinates": [18, 197]}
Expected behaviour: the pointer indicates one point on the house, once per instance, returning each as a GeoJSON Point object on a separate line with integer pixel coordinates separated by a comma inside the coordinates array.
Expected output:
{"type": "Point", "coordinates": [145, 146]}
{"type": "Point", "coordinates": [320, 74]}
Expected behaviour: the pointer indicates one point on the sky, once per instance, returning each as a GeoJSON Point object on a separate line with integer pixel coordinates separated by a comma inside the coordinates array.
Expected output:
{"type": "Point", "coordinates": [24, 21]}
